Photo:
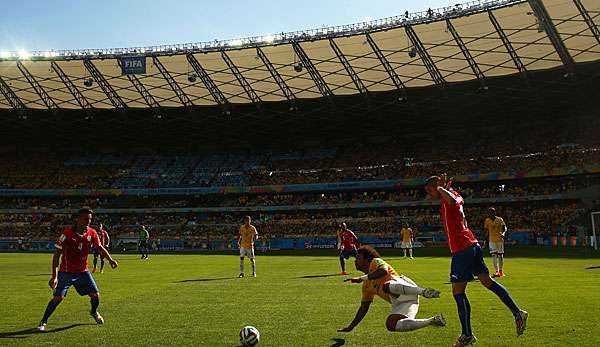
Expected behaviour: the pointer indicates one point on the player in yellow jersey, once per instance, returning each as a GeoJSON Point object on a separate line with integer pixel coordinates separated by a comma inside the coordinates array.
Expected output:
{"type": "Point", "coordinates": [400, 291]}
{"type": "Point", "coordinates": [248, 236]}
{"type": "Point", "coordinates": [407, 236]}
{"type": "Point", "coordinates": [495, 228]}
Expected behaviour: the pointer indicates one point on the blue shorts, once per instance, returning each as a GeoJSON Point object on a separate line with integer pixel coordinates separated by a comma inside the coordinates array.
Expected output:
{"type": "Point", "coordinates": [467, 263]}
{"type": "Point", "coordinates": [82, 281]}
{"type": "Point", "coordinates": [96, 252]}
{"type": "Point", "coordinates": [347, 253]}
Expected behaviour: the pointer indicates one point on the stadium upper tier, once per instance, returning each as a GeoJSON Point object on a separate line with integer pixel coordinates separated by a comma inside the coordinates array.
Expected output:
{"type": "Point", "coordinates": [470, 42]}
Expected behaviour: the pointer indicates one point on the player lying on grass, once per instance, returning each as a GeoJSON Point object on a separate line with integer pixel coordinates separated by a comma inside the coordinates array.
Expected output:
{"type": "Point", "coordinates": [74, 245]}
{"type": "Point", "coordinates": [400, 291]}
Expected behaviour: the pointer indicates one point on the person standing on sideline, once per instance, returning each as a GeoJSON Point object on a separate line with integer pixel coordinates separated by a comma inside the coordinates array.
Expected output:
{"type": "Point", "coordinates": [144, 235]}
{"type": "Point", "coordinates": [495, 229]}
{"type": "Point", "coordinates": [248, 236]}
{"type": "Point", "coordinates": [407, 238]}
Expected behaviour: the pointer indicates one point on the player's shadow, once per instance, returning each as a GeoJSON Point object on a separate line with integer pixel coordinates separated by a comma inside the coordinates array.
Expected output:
{"type": "Point", "coordinates": [207, 279]}
{"type": "Point", "coordinates": [592, 267]}
{"type": "Point", "coordinates": [21, 334]}
{"type": "Point", "coordinates": [318, 276]}
{"type": "Point", "coordinates": [338, 342]}
{"type": "Point", "coordinates": [38, 275]}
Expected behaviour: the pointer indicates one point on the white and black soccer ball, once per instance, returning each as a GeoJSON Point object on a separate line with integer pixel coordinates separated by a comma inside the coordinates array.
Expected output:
{"type": "Point", "coordinates": [249, 336]}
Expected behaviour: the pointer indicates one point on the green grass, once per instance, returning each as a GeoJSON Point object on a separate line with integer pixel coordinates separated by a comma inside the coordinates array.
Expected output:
{"type": "Point", "coordinates": [197, 300]}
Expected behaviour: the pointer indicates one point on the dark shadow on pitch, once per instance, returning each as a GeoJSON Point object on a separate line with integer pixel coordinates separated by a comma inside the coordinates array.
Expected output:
{"type": "Point", "coordinates": [318, 276]}
{"type": "Point", "coordinates": [592, 267]}
{"type": "Point", "coordinates": [207, 279]}
{"type": "Point", "coordinates": [38, 275]}
{"type": "Point", "coordinates": [25, 332]}
{"type": "Point", "coordinates": [338, 342]}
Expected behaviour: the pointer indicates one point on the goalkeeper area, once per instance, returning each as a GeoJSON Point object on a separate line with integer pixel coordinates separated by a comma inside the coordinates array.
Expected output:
{"type": "Point", "coordinates": [298, 299]}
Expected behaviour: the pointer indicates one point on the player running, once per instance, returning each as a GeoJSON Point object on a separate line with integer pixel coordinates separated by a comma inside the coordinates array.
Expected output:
{"type": "Point", "coordinates": [495, 229]}
{"type": "Point", "coordinates": [382, 280]}
{"type": "Point", "coordinates": [105, 242]}
{"type": "Point", "coordinates": [407, 237]}
{"type": "Point", "coordinates": [467, 259]}
{"type": "Point", "coordinates": [74, 245]}
{"type": "Point", "coordinates": [248, 236]}
{"type": "Point", "coordinates": [347, 244]}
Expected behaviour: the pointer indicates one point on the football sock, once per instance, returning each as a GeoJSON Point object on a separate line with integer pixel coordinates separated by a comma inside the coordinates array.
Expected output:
{"type": "Point", "coordinates": [404, 252]}
{"type": "Point", "coordinates": [464, 313]}
{"type": "Point", "coordinates": [253, 266]}
{"type": "Point", "coordinates": [410, 252]}
{"type": "Point", "coordinates": [495, 261]}
{"type": "Point", "coordinates": [242, 265]}
{"type": "Point", "coordinates": [401, 289]}
{"type": "Point", "coordinates": [95, 301]}
{"type": "Point", "coordinates": [95, 262]}
{"type": "Point", "coordinates": [49, 310]}
{"type": "Point", "coordinates": [500, 262]}
{"type": "Point", "coordinates": [343, 264]}
{"type": "Point", "coordinates": [504, 296]}
{"type": "Point", "coordinates": [101, 263]}
{"type": "Point", "coordinates": [408, 324]}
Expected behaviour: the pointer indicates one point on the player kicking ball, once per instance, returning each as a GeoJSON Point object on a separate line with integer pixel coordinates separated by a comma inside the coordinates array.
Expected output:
{"type": "Point", "coordinates": [74, 245]}
{"type": "Point", "coordinates": [467, 259]}
{"type": "Point", "coordinates": [400, 291]}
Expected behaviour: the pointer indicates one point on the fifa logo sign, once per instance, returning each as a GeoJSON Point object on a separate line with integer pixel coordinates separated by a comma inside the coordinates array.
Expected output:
{"type": "Point", "coordinates": [133, 65]}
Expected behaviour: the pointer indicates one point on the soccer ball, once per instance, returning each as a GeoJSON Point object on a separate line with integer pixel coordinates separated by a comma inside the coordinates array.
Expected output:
{"type": "Point", "coordinates": [249, 336]}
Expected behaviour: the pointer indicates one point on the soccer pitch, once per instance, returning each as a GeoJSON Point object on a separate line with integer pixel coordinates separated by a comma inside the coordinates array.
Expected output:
{"type": "Point", "coordinates": [185, 300]}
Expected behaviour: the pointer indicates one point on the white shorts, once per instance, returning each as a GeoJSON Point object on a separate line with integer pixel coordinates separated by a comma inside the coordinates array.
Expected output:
{"type": "Point", "coordinates": [406, 305]}
{"type": "Point", "coordinates": [248, 252]}
{"type": "Point", "coordinates": [497, 247]}
{"type": "Point", "coordinates": [406, 244]}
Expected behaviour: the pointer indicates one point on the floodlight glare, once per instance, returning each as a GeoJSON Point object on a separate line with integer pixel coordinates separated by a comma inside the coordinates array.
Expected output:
{"type": "Point", "coordinates": [23, 54]}
{"type": "Point", "coordinates": [4, 54]}
{"type": "Point", "coordinates": [269, 39]}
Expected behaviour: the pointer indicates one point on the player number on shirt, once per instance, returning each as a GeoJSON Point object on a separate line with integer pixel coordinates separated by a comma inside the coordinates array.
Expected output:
{"type": "Point", "coordinates": [80, 246]}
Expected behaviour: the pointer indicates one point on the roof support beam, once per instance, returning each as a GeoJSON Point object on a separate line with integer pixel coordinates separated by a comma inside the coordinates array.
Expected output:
{"type": "Point", "coordinates": [209, 84]}
{"type": "Point", "coordinates": [360, 86]}
{"type": "Point", "coordinates": [15, 102]}
{"type": "Point", "coordinates": [48, 101]}
{"type": "Point", "coordinates": [588, 19]}
{"type": "Point", "coordinates": [546, 22]}
{"type": "Point", "coordinates": [386, 65]}
{"type": "Point", "coordinates": [242, 80]}
{"type": "Point", "coordinates": [185, 100]}
{"type": "Point", "coordinates": [285, 89]}
{"type": "Point", "coordinates": [465, 51]}
{"type": "Point", "coordinates": [146, 95]}
{"type": "Point", "coordinates": [312, 70]}
{"type": "Point", "coordinates": [508, 45]}
{"type": "Point", "coordinates": [81, 100]}
{"type": "Point", "coordinates": [114, 98]}
{"type": "Point", "coordinates": [434, 72]}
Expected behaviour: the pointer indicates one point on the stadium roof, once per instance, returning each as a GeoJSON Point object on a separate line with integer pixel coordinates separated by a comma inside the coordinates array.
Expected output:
{"type": "Point", "coordinates": [469, 42]}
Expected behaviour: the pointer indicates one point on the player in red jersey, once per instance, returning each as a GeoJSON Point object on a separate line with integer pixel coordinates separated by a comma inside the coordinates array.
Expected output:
{"type": "Point", "coordinates": [467, 258]}
{"type": "Point", "coordinates": [74, 245]}
{"type": "Point", "coordinates": [347, 244]}
{"type": "Point", "coordinates": [105, 242]}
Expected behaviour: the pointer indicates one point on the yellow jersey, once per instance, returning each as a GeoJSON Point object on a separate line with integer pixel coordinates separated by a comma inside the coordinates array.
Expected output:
{"type": "Point", "coordinates": [406, 234]}
{"type": "Point", "coordinates": [495, 228]}
{"type": "Point", "coordinates": [247, 235]}
{"type": "Point", "coordinates": [370, 288]}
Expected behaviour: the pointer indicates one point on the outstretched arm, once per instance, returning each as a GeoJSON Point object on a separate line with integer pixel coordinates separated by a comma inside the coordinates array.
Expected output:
{"type": "Point", "coordinates": [54, 278]}
{"type": "Point", "coordinates": [360, 314]}
{"type": "Point", "coordinates": [105, 254]}
{"type": "Point", "coordinates": [370, 276]}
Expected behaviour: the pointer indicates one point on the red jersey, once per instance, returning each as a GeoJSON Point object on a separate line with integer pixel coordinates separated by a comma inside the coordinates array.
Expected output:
{"type": "Point", "coordinates": [75, 249]}
{"type": "Point", "coordinates": [349, 240]}
{"type": "Point", "coordinates": [103, 238]}
{"type": "Point", "coordinates": [459, 235]}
